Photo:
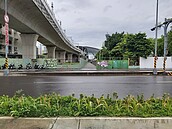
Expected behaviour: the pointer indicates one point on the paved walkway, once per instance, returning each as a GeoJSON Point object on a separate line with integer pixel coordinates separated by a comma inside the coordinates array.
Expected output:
{"type": "Point", "coordinates": [89, 66]}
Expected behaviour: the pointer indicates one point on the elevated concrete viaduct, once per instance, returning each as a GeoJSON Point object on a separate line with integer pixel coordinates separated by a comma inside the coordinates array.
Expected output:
{"type": "Point", "coordinates": [36, 22]}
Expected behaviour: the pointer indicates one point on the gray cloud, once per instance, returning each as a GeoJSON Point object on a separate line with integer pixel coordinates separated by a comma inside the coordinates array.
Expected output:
{"type": "Point", "coordinates": [87, 21]}
{"type": "Point", "coordinates": [61, 10]}
{"type": "Point", "coordinates": [73, 3]}
{"type": "Point", "coordinates": [106, 8]}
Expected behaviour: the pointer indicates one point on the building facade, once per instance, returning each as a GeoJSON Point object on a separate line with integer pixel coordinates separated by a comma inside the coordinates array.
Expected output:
{"type": "Point", "coordinates": [14, 47]}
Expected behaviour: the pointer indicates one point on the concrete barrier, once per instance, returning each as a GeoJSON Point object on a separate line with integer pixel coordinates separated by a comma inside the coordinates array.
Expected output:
{"type": "Point", "coordinates": [85, 123]}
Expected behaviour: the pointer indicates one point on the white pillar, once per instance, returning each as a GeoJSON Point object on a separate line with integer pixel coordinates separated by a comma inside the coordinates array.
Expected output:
{"type": "Point", "coordinates": [69, 57]}
{"type": "Point", "coordinates": [29, 45]}
{"type": "Point", "coordinates": [76, 58]}
{"type": "Point", "coordinates": [57, 56]}
{"type": "Point", "coordinates": [63, 56]}
{"type": "Point", "coordinates": [51, 51]}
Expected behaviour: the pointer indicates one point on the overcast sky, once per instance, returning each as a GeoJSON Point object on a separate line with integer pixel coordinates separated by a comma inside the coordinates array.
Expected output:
{"type": "Point", "coordinates": [87, 21]}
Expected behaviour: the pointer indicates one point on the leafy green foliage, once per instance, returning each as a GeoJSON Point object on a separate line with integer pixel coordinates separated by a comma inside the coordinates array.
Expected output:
{"type": "Point", "coordinates": [160, 46]}
{"type": "Point", "coordinates": [103, 53]}
{"type": "Point", "coordinates": [112, 41]}
{"type": "Point", "coordinates": [53, 105]}
{"type": "Point", "coordinates": [160, 43]}
{"type": "Point", "coordinates": [126, 46]}
{"type": "Point", "coordinates": [170, 43]}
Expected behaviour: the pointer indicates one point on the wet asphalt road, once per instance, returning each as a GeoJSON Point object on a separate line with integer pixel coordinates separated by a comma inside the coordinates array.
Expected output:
{"type": "Point", "coordinates": [88, 85]}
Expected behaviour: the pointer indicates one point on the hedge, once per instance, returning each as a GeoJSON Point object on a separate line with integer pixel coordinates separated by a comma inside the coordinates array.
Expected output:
{"type": "Point", "coordinates": [53, 105]}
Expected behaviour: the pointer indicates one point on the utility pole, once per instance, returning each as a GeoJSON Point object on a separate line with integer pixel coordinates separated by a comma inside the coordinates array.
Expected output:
{"type": "Point", "coordinates": [6, 19]}
{"type": "Point", "coordinates": [166, 23]}
{"type": "Point", "coordinates": [156, 35]}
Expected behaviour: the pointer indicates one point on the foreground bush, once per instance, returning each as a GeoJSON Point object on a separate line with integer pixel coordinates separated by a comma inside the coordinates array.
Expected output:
{"type": "Point", "coordinates": [53, 105]}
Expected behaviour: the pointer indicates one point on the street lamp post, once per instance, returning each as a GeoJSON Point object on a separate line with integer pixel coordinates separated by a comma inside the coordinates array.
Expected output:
{"type": "Point", "coordinates": [6, 19]}
{"type": "Point", "coordinates": [165, 25]}
{"type": "Point", "coordinates": [156, 33]}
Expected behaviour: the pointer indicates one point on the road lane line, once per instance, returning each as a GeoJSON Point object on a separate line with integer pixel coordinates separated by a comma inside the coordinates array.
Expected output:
{"type": "Point", "coordinates": [164, 82]}
{"type": "Point", "coordinates": [59, 82]}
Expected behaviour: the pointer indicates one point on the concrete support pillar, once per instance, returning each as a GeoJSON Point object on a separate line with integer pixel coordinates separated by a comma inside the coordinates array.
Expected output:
{"type": "Point", "coordinates": [29, 45]}
{"type": "Point", "coordinates": [69, 57]}
{"type": "Point", "coordinates": [76, 58]}
{"type": "Point", "coordinates": [51, 51]}
{"type": "Point", "coordinates": [57, 53]}
{"type": "Point", "coordinates": [63, 56]}
{"type": "Point", "coordinates": [57, 56]}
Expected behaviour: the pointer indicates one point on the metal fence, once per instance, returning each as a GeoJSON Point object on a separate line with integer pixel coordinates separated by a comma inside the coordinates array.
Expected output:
{"type": "Point", "coordinates": [112, 64]}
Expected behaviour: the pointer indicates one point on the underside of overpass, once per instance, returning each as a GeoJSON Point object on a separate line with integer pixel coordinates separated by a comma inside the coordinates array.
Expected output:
{"type": "Point", "coordinates": [29, 19]}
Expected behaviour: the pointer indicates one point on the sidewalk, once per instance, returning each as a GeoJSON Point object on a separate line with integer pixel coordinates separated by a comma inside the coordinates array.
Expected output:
{"type": "Point", "coordinates": [89, 66]}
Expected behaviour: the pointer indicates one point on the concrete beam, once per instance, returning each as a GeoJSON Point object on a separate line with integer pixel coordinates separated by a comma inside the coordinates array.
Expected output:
{"type": "Point", "coordinates": [29, 45]}
{"type": "Point", "coordinates": [51, 51]}
{"type": "Point", "coordinates": [39, 22]}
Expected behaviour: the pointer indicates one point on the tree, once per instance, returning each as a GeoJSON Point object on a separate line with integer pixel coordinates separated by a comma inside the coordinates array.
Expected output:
{"type": "Point", "coordinates": [112, 41]}
{"type": "Point", "coordinates": [170, 43]}
{"type": "Point", "coordinates": [127, 46]}
{"type": "Point", "coordinates": [120, 50]}
{"type": "Point", "coordinates": [103, 54]}
{"type": "Point", "coordinates": [143, 46]}
{"type": "Point", "coordinates": [160, 47]}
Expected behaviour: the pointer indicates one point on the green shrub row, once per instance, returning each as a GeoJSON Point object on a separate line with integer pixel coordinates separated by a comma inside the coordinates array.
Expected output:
{"type": "Point", "coordinates": [53, 105]}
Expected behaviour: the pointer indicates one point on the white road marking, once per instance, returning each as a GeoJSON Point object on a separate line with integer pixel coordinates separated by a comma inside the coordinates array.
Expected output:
{"type": "Point", "coordinates": [164, 82]}
{"type": "Point", "coordinates": [60, 82]}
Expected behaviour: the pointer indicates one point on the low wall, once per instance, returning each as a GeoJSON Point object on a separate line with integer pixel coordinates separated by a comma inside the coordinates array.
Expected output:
{"type": "Point", "coordinates": [85, 123]}
{"type": "Point", "coordinates": [149, 63]}
{"type": "Point", "coordinates": [52, 63]}
{"type": "Point", "coordinates": [16, 62]}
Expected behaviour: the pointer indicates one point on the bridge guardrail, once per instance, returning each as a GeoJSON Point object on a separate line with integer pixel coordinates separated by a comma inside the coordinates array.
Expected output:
{"type": "Point", "coordinates": [44, 5]}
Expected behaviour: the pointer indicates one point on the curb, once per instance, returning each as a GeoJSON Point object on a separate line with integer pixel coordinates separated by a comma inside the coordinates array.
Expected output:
{"type": "Point", "coordinates": [85, 123]}
{"type": "Point", "coordinates": [85, 73]}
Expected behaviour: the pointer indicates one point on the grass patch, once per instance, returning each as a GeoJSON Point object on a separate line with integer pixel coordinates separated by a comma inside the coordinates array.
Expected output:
{"type": "Point", "coordinates": [53, 105]}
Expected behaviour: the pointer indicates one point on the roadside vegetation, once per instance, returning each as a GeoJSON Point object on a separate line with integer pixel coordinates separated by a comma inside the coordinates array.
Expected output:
{"type": "Point", "coordinates": [125, 45]}
{"type": "Point", "coordinates": [53, 105]}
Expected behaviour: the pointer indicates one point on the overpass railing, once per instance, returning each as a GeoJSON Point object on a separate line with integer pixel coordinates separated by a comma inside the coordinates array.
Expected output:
{"type": "Point", "coordinates": [47, 12]}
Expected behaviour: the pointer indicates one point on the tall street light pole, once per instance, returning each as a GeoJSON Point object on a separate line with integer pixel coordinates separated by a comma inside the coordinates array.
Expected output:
{"type": "Point", "coordinates": [6, 19]}
{"type": "Point", "coordinates": [166, 23]}
{"type": "Point", "coordinates": [156, 34]}
{"type": "Point", "coordinates": [156, 31]}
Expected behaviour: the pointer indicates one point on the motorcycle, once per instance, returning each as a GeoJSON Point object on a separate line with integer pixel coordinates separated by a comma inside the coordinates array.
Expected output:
{"type": "Point", "coordinates": [20, 66]}
{"type": "Point", "coordinates": [36, 66]}
{"type": "Point", "coordinates": [11, 66]}
{"type": "Point", "coordinates": [42, 67]}
{"type": "Point", "coordinates": [28, 66]}
{"type": "Point", "coordinates": [3, 67]}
